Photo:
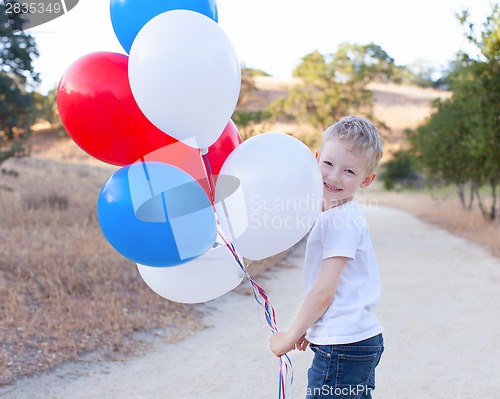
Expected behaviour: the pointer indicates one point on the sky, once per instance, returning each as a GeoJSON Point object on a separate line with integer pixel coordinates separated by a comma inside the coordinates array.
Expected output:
{"type": "Point", "coordinates": [273, 35]}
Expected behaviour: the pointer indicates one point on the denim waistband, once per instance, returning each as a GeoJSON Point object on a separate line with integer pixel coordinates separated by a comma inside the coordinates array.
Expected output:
{"type": "Point", "coordinates": [376, 340]}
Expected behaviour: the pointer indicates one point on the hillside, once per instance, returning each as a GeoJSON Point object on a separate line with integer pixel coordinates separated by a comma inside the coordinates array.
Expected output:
{"type": "Point", "coordinates": [399, 107]}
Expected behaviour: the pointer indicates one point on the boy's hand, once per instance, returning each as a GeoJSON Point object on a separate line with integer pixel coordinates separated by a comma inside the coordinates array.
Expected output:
{"type": "Point", "coordinates": [302, 343]}
{"type": "Point", "coordinates": [280, 343]}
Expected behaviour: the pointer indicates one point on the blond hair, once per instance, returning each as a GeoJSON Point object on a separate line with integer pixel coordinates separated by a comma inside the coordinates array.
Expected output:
{"type": "Point", "coordinates": [363, 137]}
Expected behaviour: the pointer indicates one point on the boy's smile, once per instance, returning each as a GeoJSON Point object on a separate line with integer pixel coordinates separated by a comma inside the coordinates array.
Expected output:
{"type": "Point", "coordinates": [330, 188]}
{"type": "Point", "coordinates": [343, 172]}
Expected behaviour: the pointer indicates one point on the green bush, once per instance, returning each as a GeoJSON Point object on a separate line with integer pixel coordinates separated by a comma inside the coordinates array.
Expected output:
{"type": "Point", "coordinates": [402, 171]}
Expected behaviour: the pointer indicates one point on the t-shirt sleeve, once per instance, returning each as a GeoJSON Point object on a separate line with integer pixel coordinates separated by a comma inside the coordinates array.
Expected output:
{"type": "Point", "coordinates": [340, 235]}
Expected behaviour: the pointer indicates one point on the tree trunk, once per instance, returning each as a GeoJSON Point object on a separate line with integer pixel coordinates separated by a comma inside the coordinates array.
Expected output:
{"type": "Point", "coordinates": [493, 184]}
{"type": "Point", "coordinates": [484, 212]}
{"type": "Point", "coordinates": [461, 195]}
{"type": "Point", "coordinates": [471, 194]}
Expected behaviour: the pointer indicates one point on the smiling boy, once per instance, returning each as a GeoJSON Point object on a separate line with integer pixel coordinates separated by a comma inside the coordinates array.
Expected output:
{"type": "Point", "coordinates": [341, 279]}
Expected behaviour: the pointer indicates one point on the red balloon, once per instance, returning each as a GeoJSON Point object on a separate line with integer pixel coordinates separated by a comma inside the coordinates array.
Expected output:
{"type": "Point", "coordinates": [220, 150]}
{"type": "Point", "coordinates": [190, 160]}
{"type": "Point", "coordinates": [184, 157]}
{"type": "Point", "coordinates": [99, 112]}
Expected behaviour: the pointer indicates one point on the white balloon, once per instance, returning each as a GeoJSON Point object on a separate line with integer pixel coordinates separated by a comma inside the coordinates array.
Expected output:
{"type": "Point", "coordinates": [268, 194]}
{"type": "Point", "coordinates": [185, 76]}
{"type": "Point", "coordinates": [207, 277]}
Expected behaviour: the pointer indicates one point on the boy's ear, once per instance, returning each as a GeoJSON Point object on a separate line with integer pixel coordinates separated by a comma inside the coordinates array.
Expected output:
{"type": "Point", "coordinates": [368, 180]}
{"type": "Point", "coordinates": [317, 155]}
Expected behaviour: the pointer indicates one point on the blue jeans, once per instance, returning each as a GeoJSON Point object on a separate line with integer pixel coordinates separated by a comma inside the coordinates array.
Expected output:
{"type": "Point", "coordinates": [344, 371]}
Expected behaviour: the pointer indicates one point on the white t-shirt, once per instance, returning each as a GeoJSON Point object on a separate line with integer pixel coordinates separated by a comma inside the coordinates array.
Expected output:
{"type": "Point", "coordinates": [342, 231]}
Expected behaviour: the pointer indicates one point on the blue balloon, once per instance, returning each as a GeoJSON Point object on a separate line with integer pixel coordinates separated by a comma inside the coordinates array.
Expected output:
{"type": "Point", "coordinates": [156, 214]}
{"type": "Point", "coordinates": [129, 16]}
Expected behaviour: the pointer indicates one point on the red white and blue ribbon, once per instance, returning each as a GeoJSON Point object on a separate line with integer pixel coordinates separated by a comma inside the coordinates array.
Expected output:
{"type": "Point", "coordinates": [285, 379]}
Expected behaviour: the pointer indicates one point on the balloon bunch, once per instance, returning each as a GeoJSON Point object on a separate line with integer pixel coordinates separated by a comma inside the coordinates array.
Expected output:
{"type": "Point", "coordinates": [190, 198]}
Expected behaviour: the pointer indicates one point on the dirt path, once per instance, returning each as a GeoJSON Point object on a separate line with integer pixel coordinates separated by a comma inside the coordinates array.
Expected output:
{"type": "Point", "coordinates": [440, 310]}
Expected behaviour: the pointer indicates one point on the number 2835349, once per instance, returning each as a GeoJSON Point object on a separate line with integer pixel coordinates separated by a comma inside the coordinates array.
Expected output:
{"type": "Point", "coordinates": [33, 8]}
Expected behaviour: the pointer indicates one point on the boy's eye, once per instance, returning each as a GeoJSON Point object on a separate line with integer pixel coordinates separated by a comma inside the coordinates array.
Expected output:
{"type": "Point", "coordinates": [349, 171]}
{"type": "Point", "coordinates": [328, 163]}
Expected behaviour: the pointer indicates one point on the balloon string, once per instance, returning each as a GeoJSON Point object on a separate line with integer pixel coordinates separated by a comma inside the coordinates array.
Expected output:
{"type": "Point", "coordinates": [285, 380]}
{"type": "Point", "coordinates": [151, 191]}
{"type": "Point", "coordinates": [210, 179]}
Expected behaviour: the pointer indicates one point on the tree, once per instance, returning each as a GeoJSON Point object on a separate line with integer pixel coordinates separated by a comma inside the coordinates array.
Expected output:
{"type": "Point", "coordinates": [477, 82]}
{"type": "Point", "coordinates": [46, 109]}
{"type": "Point", "coordinates": [442, 145]}
{"type": "Point", "coordinates": [17, 77]}
{"type": "Point", "coordinates": [333, 86]}
{"type": "Point", "coordinates": [363, 63]}
{"type": "Point", "coordinates": [401, 171]}
{"type": "Point", "coordinates": [461, 141]}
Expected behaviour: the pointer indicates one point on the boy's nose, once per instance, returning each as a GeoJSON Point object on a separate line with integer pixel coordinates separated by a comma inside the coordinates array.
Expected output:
{"type": "Point", "coordinates": [335, 177]}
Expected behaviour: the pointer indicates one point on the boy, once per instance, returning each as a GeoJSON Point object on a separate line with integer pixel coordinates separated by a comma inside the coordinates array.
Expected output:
{"type": "Point", "coordinates": [341, 278]}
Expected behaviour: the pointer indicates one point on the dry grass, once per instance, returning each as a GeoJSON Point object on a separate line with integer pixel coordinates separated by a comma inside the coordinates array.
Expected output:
{"type": "Point", "coordinates": [403, 107]}
{"type": "Point", "coordinates": [441, 207]}
{"type": "Point", "coordinates": [64, 290]}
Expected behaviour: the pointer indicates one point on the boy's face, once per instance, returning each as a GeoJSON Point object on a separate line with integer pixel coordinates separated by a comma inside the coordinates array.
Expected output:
{"type": "Point", "coordinates": [343, 172]}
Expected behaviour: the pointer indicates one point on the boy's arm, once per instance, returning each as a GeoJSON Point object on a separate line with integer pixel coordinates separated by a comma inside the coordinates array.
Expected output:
{"type": "Point", "coordinates": [315, 304]}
